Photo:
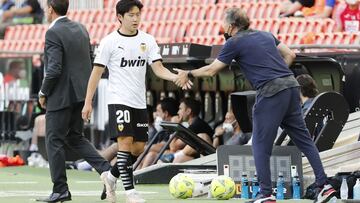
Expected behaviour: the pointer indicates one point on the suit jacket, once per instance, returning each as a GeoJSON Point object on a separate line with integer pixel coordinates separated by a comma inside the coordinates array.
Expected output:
{"type": "Point", "coordinates": [67, 64]}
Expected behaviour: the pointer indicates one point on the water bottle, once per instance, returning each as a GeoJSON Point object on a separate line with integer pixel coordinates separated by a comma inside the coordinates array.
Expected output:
{"type": "Point", "coordinates": [296, 187]}
{"type": "Point", "coordinates": [255, 186]}
{"type": "Point", "coordinates": [244, 186]}
{"type": "Point", "coordinates": [344, 189]}
{"type": "Point", "coordinates": [280, 184]}
{"type": "Point", "coordinates": [356, 189]}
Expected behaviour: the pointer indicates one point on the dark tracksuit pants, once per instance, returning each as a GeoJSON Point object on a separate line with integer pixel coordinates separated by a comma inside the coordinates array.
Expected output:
{"type": "Point", "coordinates": [282, 109]}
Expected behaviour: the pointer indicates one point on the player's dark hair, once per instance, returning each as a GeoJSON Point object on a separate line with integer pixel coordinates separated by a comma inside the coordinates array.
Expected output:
{"type": "Point", "coordinates": [124, 6]}
{"type": "Point", "coordinates": [193, 104]}
{"type": "Point", "coordinates": [307, 85]}
{"type": "Point", "coordinates": [170, 105]}
{"type": "Point", "coordinates": [15, 64]}
{"type": "Point", "coordinates": [60, 6]}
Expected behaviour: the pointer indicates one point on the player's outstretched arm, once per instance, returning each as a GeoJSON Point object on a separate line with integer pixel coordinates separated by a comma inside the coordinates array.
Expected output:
{"type": "Point", "coordinates": [165, 74]}
{"type": "Point", "coordinates": [205, 71]}
{"type": "Point", "coordinates": [91, 88]}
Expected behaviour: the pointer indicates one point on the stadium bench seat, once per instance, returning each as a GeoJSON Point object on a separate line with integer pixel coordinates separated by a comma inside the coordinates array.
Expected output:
{"type": "Point", "coordinates": [26, 32]}
{"type": "Point", "coordinates": [173, 30]}
{"type": "Point", "coordinates": [100, 30]}
{"type": "Point", "coordinates": [105, 16]}
{"type": "Point", "coordinates": [169, 3]}
{"type": "Point", "coordinates": [204, 28]}
{"type": "Point", "coordinates": [269, 25]}
{"type": "Point", "coordinates": [329, 25]}
{"type": "Point", "coordinates": [290, 38]}
{"type": "Point", "coordinates": [110, 4]}
{"type": "Point", "coordinates": [22, 45]}
{"type": "Point", "coordinates": [216, 11]}
{"type": "Point", "coordinates": [300, 25]}
{"type": "Point", "coordinates": [337, 38]}
{"type": "Point", "coordinates": [83, 16]}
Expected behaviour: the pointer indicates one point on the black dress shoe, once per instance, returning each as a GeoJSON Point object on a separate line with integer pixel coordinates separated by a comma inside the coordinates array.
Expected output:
{"type": "Point", "coordinates": [56, 197]}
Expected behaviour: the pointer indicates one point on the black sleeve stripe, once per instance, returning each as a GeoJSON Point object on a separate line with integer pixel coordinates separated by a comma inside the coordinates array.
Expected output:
{"type": "Point", "coordinates": [157, 60]}
{"type": "Point", "coordinates": [100, 65]}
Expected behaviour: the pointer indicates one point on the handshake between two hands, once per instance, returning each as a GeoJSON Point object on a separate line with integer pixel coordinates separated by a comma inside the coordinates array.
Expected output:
{"type": "Point", "coordinates": [182, 79]}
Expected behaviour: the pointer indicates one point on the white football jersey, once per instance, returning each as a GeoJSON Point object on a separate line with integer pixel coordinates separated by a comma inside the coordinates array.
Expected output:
{"type": "Point", "coordinates": [126, 57]}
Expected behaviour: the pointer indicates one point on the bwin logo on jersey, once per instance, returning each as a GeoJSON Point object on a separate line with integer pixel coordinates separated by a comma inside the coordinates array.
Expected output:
{"type": "Point", "coordinates": [132, 63]}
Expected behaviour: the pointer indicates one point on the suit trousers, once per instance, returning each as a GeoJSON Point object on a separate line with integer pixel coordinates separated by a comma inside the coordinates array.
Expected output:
{"type": "Point", "coordinates": [269, 113]}
{"type": "Point", "coordinates": [65, 127]}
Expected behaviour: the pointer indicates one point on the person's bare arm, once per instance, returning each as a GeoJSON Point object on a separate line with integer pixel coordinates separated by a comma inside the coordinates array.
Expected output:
{"type": "Point", "coordinates": [205, 71]}
{"type": "Point", "coordinates": [296, 6]}
{"type": "Point", "coordinates": [17, 12]}
{"type": "Point", "coordinates": [91, 88]}
{"type": "Point", "coordinates": [286, 53]}
{"type": "Point", "coordinates": [162, 72]}
{"type": "Point", "coordinates": [157, 147]}
{"type": "Point", "coordinates": [325, 14]}
{"type": "Point", "coordinates": [176, 144]}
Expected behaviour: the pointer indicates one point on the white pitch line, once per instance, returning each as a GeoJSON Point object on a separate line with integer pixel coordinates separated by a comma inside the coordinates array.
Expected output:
{"type": "Point", "coordinates": [17, 182]}
{"type": "Point", "coordinates": [88, 181]}
{"type": "Point", "coordinates": [22, 193]}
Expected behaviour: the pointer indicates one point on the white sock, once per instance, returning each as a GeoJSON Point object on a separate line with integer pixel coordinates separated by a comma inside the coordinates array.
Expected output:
{"type": "Point", "coordinates": [127, 192]}
{"type": "Point", "coordinates": [33, 147]}
{"type": "Point", "coordinates": [84, 166]}
{"type": "Point", "coordinates": [179, 153]}
{"type": "Point", "coordinates": [111, 177]}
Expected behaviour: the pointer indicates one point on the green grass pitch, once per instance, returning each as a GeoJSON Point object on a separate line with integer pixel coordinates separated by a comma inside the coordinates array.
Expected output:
{"type": "Point", "coordinates": [25, 184]}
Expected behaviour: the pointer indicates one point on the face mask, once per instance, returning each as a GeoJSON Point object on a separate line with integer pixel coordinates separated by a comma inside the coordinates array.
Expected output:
{"type": "Point", "coordinates": [157, 125]}
{"type": "Point", "coordinates": [227, 36]}
{"type": "Point", "coordinates": [351, 2]}
{"type": "Point", "coordinates": [22, 74]}
{"type": "Point", "coordinates": [185, 124]}
{"type": "Point", "coordinates": [228, 127]}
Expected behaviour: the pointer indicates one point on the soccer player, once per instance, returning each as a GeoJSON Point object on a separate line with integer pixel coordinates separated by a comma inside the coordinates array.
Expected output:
{"type": "Point", "coordinates": [126, 52]}
{"type": "Point", "coordinates": [265, 62]}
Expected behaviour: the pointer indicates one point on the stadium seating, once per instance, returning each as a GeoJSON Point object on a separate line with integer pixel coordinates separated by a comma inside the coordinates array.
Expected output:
{"type": "Point", "coordinates": [21, 46]}
{"type": "Point", "coordinates": [83, 16]}
{"type": "Point", "coordinates": [270, 25]}
{"type": "Point", "coordinates": [196, 21]}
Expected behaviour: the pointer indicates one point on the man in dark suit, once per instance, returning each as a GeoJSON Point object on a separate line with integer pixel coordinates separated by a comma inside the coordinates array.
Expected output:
{"type": "Point", "coordinates": [67, 70]}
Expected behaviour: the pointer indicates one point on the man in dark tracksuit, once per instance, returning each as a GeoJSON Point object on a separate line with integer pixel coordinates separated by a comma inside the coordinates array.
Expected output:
{"type": "Point", "coordinates": [264, 61]}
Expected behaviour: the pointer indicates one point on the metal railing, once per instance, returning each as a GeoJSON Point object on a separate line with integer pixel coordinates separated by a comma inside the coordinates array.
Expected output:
{"type": "Point", "coordinates": [323, 47]}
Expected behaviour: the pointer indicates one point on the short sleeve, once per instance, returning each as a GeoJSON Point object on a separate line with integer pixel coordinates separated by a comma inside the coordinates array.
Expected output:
{"type": "Point", "coordinates": [154, 52]}
{"type": "Point", "coordinates": [330, 3]}
{"type": "Point", "coordinates": [277, 42]}
{"type": "Point", "coordinates": [102, 55]}
{"type": "Point", "coordinates": [228, 52]}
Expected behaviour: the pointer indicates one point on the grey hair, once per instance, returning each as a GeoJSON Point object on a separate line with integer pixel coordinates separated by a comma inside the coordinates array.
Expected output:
{"type": "Point", "coordinates": [237, 18]}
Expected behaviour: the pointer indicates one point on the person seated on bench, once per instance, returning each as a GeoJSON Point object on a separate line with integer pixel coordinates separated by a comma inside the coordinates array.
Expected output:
{"type": "Point", "coordinates": [38, 131]}
{"type": "Point", "coordinates": [165, 111]}
{"type": "Point", "coordinates": [308, 90]}
{"type": "Point", "coordinates": [229, 133]}
{"type": "Point", "coordinates": [189, 111]}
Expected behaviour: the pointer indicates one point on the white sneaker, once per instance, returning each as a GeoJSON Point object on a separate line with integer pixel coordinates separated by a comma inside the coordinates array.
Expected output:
{"type": "Point", "coordinates": [326, 194]}
{"type": "Point", "coordinates": [134, 197]}
{"type": "Point", "coordinates": [110, 187]}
